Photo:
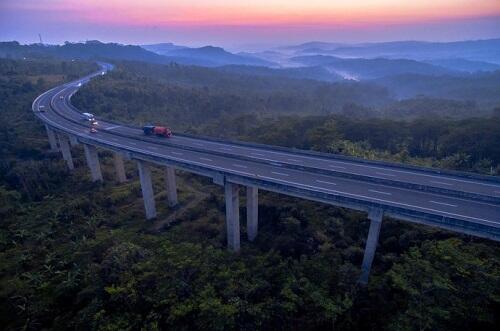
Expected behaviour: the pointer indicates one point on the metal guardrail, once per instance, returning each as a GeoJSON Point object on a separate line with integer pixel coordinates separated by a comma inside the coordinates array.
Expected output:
{"type": "Point", "coordinates": [449, 223]}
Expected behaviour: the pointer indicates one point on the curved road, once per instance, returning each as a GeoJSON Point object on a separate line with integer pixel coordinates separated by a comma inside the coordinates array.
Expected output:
{"type": "Point", "coordinates": [314, 175]}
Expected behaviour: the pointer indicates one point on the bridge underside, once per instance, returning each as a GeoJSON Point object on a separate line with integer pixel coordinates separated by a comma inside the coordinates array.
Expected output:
{"type": "Point", "coordinates": [231, 192]}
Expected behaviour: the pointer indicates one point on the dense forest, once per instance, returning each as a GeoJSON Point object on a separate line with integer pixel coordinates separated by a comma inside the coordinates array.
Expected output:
{"type": "Point", "coordinates": [299, 113]}
{"type": "Point", "coordinates": [79, 255]}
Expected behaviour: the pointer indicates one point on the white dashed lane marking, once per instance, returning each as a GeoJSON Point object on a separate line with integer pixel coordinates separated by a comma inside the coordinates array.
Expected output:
{"type": "Point", "coordinates": [279, 173]}
{"type": "Point", "coordinates": [206, 159]}
{"type": "Point", "coordinates": [177, 153]}
{"type": "Point", "coordinates": [325, 182]}
{"type": "Point", "coordinates": [442, 203]}
{"type": "Point", "coordinates": [380, 192]}
{"type": "Point", "coordinates": [338, 167]}
{"type": "Point", "coordinates": [442, 183]}
{"type": "Point", "coordinates": [240, 166]}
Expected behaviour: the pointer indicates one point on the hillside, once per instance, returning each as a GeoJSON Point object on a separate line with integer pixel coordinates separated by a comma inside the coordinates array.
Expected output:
{"type": "Point", "coordinates": [362, 69]}
{"type": "Point", "coordinates": [465, 65]}
{"type": "Point", "coordinates": [481, 88]}
{"type": "Point", "coordinates": [315, 72]}
{"type": "Point", "coordinates": [216, 56]}
{"type": "Point", "coordinates": [206, 56]}
{"type": "Point", "coordinates": [476, 50]}
{"type": "Point", "coordinates": [162, 48]}
{"type": "Point", "coordinates": [187, 96]}
{"type": "Point", "coordinates": [88, 50]}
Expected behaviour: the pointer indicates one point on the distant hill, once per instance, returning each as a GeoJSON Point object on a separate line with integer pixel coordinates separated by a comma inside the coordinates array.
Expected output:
{"type": "Point", "coordinates": [162, 48]}
{"type": "Point", "coordinates": [209, 56]}
{"type": "Point", "coordinates": [370, 68]}
{"type": "Point", "coordinates": [205, 56]}
{"type": "Point", "coordinates": [313, 45]}
{"type": "Point", "coordinates": [315, 73]}
{"type": "Point", "coordinates": [275, 57]}
{"type": "Point", "coordinates": [475, 50]}
{"type": "Point", "coordinates": [87, 50]}
{"type": "Point", "coordinates": [465, 65]}
{"type": "Point", "coordinates": [483, 88]}
{"type": "Point", "coordinates": [217, 56]}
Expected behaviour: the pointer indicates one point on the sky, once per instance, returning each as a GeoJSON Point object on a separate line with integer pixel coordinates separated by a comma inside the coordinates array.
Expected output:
{"type": "Point", "coordinates": [247, 24]}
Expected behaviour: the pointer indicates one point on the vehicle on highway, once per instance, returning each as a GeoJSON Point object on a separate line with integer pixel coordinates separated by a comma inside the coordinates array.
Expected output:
{"type": "Point", "coordinates": [41, 108]}
{"type": "Point", "coordinates": [61, 97]}
{"type": "Point", "coordinates": [160, 131]}
{"type": "Point", "coordinates": [88, 117]}
{"type": "Point", "coordinates": [93, 125]}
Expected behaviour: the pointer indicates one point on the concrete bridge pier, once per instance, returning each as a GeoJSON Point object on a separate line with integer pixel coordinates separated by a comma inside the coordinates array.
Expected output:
{"type": "Point", "coordinates": [119, 167]}
{"type": "Point", "coordinates": [232, 216]}
{"type": "Point", "coordinates": [93, 162]}
{"type": "Point", "coordinates": [252, 212]}
{"type": "Point", "coordinates": [375, 216]}
{"type": "Point", "coordinates": [73, 141]}
{"type": "Point", "coordinates": [66, 151]}
{"type": "Point", "coordinates": [171, 186]}
{"type": "Point", "coordinates": [147, 189]}
{"type": "Point", "coordinates": [52, 139]}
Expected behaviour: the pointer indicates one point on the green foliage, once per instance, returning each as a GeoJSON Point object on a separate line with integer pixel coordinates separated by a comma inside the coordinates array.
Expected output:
{"type": "Point", "coordinates": [78, 255]}
{"type": "Point", "coordinates": [186, 97]}
{"type": "Point", "coordinates": [239, 106]}
{"type": "Point", "coordinates": [448, 271]}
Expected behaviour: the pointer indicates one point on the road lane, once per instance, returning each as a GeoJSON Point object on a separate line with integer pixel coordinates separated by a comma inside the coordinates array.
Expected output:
{"type": "Point", "coordinates": [458, 208]}
{"type": "Point", "coordinates": [402, 175]}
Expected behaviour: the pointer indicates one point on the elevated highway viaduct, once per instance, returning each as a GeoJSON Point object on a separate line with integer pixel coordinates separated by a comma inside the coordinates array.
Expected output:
{"type": "Point", "coordinates": [462, 202]}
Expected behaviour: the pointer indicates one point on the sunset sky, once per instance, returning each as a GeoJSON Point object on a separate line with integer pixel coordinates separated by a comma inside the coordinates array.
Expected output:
{"type": "Point", "coordinates": [239, 23]}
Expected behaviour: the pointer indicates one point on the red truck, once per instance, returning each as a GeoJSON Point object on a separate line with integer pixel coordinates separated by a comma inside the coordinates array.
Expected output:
{"type": "Point", "coordinates": [160, 131]}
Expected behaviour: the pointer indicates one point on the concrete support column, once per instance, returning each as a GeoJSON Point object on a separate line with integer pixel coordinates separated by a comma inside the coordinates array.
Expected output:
{"type": "Point", "coordinates": [119, 167]}
{"type": "Point", "coordinates": [73, 141]}
{"type": "Point", "coordinates": [93, 162]}
{"type": "Point", "coordinates": [52, 139]}
{"type": "Point", "coordinates": [147, 189]}
{"type": "Point", "coordinates": [252, 212]}
{"type": "Point", "coordinates": [66, 151]}
{"type": "Point", "coordinates": [171, 186]}
{"type": "Point", "coordinates": [375, 216]}
{"type": "Point", "coordinates": [232, 216]}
